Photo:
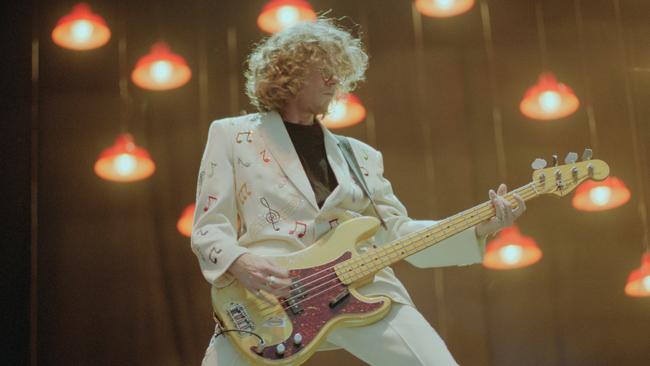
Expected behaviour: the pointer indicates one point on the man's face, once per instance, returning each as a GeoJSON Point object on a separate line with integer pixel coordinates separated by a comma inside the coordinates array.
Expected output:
{"type": "Point", "coordinates": [320, 88]}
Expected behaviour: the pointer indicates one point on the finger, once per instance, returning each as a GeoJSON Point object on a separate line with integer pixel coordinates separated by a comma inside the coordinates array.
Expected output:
{"type": "Point", "coordinates": [521, 205]}
{"type": "Point", "coordinates": [275, 270]}
{"type": "Point", "coordinates": [503, 189]}
{"type": "Point", "coordinates": [277, 283]}
{"type": "Point", "coordinates": [263, 296]}
{"type": "Point", "coordinates": [498, 207]}
{"type": "Point", "coordinates": [492, 194]}
{"type": "Point", "coordinates": [277, 288]}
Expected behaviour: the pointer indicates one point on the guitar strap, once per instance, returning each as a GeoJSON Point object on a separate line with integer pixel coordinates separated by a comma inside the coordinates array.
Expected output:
{"type": "Point", "coordinates": [350, 158]}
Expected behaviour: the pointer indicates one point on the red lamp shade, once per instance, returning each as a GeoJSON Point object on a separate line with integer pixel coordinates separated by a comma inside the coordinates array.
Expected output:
{"type": "Point", "coordinates": [124, 161]}
{"type": "Point", "coordinates": [638, 283]}
{"type": "Point", "coordinates": [185, 222]}
{"type": "Point", "coordinates": [548, 99]}
{"type": "Point", "coordinates": [511, 250]}
{"type": "Point", "coordinates": [345, 111]}
{"type": "Point", "coordinates": [600, 196]}
{"type": "Point", "coordinates": [161, 69]}
{"type": "Point", "coordinates": [81, 29]}
{"type": "Point", "coordinates": [443, 8]}
{"type": "Point", "coordinates": [281, 14]}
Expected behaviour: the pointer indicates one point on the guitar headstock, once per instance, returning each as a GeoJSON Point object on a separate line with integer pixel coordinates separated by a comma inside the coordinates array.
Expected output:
{"type": "Point", "coordinates": [560, 180]}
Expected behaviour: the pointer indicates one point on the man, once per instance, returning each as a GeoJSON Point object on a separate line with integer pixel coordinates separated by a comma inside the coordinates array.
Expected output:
{"type": "Point", "coordinates": [281, 172]}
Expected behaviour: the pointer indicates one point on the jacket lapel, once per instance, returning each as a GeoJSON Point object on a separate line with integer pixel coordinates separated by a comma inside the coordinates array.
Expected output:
{"type": "Point", "coordinates": [278, 142]}
{"type": "Point", "coordinates": [339, 167]}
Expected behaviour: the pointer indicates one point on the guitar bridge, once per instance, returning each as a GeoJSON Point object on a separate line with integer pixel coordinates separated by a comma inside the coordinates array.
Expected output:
{"type": "Point", "coordinates": [240, 317]}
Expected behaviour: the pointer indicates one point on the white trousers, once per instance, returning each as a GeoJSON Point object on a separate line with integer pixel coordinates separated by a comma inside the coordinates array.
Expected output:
{"type": "Point", "coordinates": [403, 337]}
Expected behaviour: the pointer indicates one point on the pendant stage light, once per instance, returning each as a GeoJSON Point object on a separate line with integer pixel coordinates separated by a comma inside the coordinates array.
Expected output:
{"type": "Point", "coordinates": [510, 250]}
{"type": "Point", "coordinates": [548, 99]}
{"type": "Point", "coordinates": [638, 283]}
{"type": "Point", "coordinates": [185, 222]}
{"type": "Point", "coordinates": [161, 69]}
{"type": "Point", "coordinates": [443, 8]}
{"type": "Point", "coordinates": [124, 161]}
{"type": "Point", "coordinates": [600, 196]}
{"type": "Point", "coordinates": [81, 29]}
{"type": "Point", "coordinates": [345, 111]}
{"type": "Point", "coordinates": [281, 14]}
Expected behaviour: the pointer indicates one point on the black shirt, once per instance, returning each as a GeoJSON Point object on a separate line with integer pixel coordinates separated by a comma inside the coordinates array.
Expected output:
{"type": "Point", "coordinates": [309, 143]}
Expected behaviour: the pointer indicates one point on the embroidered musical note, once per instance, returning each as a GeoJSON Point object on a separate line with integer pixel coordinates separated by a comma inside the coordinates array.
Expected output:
{"type": "Point", "coordinates": [299, 224]}
{"type": "Point", "coordinates": [241, 162]}
{"type": "Point", "coordinates": [211, 201]}
{"type": "Point", "coordinates": [333, 223]}
{"type": "Point", "coordinates": [273, 216]}
{"type": "Point", "coordinates": [213, 255]}
{"type": "Point", "coordinates": [212, 166]}
{"type": "Point", "coordinates": [265, 158]}
{"type": "Point", "coordinates": [364, 171]}
{"type": "Point", "coordinates": [365, 155]}
{"type": "Point", "coordinates": [244, 193]}
{"type": "Point", "coordinates": [248, 134]}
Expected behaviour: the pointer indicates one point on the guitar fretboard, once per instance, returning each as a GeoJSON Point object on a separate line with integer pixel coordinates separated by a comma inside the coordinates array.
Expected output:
{"type": "Point", "coordinates": [378, 258]}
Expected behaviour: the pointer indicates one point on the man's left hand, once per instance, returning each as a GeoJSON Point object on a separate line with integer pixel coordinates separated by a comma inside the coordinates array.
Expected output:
{"type": "Point", "coordinates": [505, 214]}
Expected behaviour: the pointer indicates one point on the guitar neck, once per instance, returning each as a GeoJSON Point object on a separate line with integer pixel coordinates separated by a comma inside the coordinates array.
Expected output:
{"type": "Point", "coordinates": [378, 258]}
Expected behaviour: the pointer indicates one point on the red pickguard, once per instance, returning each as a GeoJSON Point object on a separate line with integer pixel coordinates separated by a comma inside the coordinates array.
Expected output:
{"type": "Point", "coordinates": [316, 309]}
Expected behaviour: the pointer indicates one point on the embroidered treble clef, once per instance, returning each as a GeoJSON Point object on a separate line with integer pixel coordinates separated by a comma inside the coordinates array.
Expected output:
{"type": "Point", "coordinates": [272, 217]}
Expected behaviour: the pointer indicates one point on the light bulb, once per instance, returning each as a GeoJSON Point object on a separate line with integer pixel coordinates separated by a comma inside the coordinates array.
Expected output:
{"type": "Point", "coordinates": [287, 15]}
{"type": "Point", "coordinates": [444, 4]}
{"type": "Point", "coordinates": [82, 30]}
{"type": "Point", "coordinates": [550, 101]}
{"type": "Point", "coordinates": [124, 164]}
{"type": "Point", "coordinates": [511, 253]}
{"type": "Point", "coordinates": [161, 71]}
{"type": "Point", "coordinates": [337, 111]}
{"type": "Point", "coordinates": [646, 283]}
{"type": "Point", "coordinates": [600, 195]}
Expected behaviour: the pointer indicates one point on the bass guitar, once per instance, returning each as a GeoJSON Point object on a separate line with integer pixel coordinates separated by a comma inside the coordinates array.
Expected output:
{"type": "Point", "coordinates": [325, 276]}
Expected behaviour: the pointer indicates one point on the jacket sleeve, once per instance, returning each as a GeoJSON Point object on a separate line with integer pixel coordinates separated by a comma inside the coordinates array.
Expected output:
{"type": "Point", "coordinates": [214, 234]}
{"type": "Point", "coordinates": [461, 249]}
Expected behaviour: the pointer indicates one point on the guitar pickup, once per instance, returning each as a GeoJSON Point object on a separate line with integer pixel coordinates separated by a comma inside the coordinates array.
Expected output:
{"type": "Point", "coordinates": [295, 307]}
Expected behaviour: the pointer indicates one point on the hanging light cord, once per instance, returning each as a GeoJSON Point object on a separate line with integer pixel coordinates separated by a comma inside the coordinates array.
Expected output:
{"type": "Point", "coordinates": [591, 116]}
{"type": "Point", "coordinates": [637, 148]}
{"type": "Point", "coordinates": [497, 118]}
{"type": "Point", "coordinates": [122, 68]}
{"type": "Point", "coordinates": [541, 33]}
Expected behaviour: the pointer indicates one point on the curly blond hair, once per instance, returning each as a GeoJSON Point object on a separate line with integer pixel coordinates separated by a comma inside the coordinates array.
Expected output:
{"type": "Point", "coordinates": [278, 66]}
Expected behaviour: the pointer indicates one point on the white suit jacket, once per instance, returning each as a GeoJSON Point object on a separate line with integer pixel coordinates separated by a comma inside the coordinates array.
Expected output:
{"type": "Point", "coordinates": [250, 168]}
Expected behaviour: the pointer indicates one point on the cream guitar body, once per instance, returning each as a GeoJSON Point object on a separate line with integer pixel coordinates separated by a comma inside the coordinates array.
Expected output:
{"type": "Point", "coordinates": [325, 276]}
{"type": "Point", "coordinates": [293, 329]}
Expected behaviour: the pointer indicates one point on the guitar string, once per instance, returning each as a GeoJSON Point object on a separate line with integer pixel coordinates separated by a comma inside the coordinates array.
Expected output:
{"type": "Point", "coordinates": [265, 311]}
{"type": "Point", "coordinates": [528, 191]}
{"type": "Point", "coordinates": [405, 238]}
{"type": "Point", "coordinates": [405, 241]}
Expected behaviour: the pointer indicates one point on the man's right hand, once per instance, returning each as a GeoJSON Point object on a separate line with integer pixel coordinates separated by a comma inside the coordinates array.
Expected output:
{"type": "Point", "coordinates": [257, 273]}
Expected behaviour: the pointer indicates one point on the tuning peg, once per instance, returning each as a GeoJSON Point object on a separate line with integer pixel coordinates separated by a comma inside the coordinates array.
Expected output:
{"type": "Point", "coordinates": [571, 158]}
{"type": "Point", "coordinates": [555, 160]}
{"type": "Point", "coordinates": [538, 164]}
{"type": "Point", "coordinates": [586, 155]}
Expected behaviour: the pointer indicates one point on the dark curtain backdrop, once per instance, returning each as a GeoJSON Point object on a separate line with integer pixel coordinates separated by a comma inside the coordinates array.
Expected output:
{"type": "Point", "coordinates": [118, 285]}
